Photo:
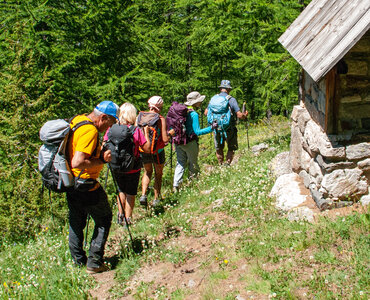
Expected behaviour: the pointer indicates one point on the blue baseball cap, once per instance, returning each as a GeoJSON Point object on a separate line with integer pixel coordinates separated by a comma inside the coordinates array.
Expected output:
{"type": "Point", "coordinates": [225, 84]}
{"type": "Point", "coordinates": [109, 108]}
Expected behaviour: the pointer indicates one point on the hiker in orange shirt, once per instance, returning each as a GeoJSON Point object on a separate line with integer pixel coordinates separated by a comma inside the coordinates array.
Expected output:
{"type": "Point", "coordinates": [88, 197]}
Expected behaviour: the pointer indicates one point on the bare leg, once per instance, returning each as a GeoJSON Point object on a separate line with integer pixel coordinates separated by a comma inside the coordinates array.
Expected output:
{"type": "Point", "coordinates": [220, 156]}
{"type": "Point", "coordinates": [158, 180]}
{"type": "Point", "coordinates": [121, 202]}
{"type": "Point", "coordinates": [129, 207]}
{"type": "Point", "coordinates": [229, 156]}
{"type": "Point", "coordinates": [148, 171]}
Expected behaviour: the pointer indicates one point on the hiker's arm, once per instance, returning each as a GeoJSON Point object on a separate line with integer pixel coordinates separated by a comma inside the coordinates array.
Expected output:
{"type": "Point", "coordinates": [196, 127]}
{"type": "Point", "coordinates": [146, 146]}
{"type": "Point", "coordinates": [235, 107]}
{"type": "Point", "coordinates": [82, 160]}
{"type": "Point", "coordinates": [206, 111]}
{"type": "Point", "coordinates": [164, 130]}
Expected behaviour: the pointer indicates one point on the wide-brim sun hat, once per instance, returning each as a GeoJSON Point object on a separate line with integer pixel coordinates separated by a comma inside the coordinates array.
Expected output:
{"type": "Point", "coordinates": [155, 102]}
{"type": "Point", "coordinates": [225, 84]}
{"type": "Point", "coordinates": [109, 108]}
{"type": "Point", "coordinates": [193, 98]}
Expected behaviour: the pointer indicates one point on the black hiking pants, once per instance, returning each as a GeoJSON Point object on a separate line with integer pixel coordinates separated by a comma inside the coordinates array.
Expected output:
{"type": "Point", "coordinates": [95, 204]}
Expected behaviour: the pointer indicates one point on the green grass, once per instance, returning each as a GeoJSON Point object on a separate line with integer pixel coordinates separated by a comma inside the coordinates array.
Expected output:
{"type": "Point", "coordinates": [284, 260]}
{"type": "Point", "coordinates": [42, 269]}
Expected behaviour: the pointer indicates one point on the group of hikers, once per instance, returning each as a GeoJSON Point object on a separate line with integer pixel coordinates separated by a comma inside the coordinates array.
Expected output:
{"type": "Point", "coordinates": [132, 141]}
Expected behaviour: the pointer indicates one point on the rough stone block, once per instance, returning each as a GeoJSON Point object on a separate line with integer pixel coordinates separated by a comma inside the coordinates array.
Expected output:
{"type": "Point", "coordinates": [295, 149]}
{"type": "Point", "coordinates": [280, 164]}
{"type": "Point", "coordinates": [305, 160]}
{"type": "Point", "coordinates": [315, 170]}
{"type": "Point", "coordinates": [297, 111]}
{"type": "Point", "coordinates": [327, 166]}
{"type": "Point", "coordinates": [364, 164]}
{"type": "Point", "coordinates": [319, 142]}
{"type": "Point", "coordinates": [358, 151]}
{"type": "Point", "coordinates": [365, 200]}
{"type": "Point", "coordinates": [304, 117]}
{"type": "Point", "coordinates": [305, 177]}
{"type": "Point", "coordinates": [344, 184]}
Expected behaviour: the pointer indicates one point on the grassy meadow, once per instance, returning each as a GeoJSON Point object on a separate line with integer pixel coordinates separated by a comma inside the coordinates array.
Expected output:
{"type": "Point", "coordinates": [219, 237]}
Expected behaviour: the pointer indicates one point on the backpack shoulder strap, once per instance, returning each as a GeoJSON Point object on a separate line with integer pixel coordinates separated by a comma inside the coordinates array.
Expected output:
{"type": "Point", "coordinates": [133, 129]}
{"type": "Point", "coordinates": [228, 97]}
{"type": "Point", "coordinates": [78, 125]}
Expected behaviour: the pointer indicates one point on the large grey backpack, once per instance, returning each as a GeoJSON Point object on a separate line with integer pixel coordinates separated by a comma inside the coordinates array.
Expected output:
{"type": "Point", "coordinates": [53, 164]}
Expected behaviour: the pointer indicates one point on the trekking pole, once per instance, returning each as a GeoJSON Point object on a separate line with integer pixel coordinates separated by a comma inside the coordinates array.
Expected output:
{"type": "Point", "coordinates": [171, 152]}
{"type": "Point", "coordinates": [247, 123]}
{"type": "Point", "coordinates": [119, 201]}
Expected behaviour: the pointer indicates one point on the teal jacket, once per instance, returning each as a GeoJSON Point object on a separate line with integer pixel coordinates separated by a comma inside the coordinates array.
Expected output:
{"type": "Point", "coordinates": [192, 124]}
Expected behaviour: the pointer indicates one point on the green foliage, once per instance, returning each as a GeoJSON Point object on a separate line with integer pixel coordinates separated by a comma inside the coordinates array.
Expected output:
{"type": "Point", "coordinates": [59, 58]}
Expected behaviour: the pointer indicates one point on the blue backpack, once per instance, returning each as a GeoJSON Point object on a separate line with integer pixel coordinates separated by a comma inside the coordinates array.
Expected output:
{"type": "Point", "coordinates": [219, 110]}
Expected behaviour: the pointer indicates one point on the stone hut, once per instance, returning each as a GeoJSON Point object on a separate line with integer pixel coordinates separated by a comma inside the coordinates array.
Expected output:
{"type": "Point", "coordinates": [330, 138]}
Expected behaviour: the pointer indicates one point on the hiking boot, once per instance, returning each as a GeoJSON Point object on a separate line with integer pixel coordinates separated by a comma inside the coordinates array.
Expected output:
{"type": "Point", "coordinates": [127, 223]}
{"type": "Point", "coordinates": [120, 218]}
{"type": "Point", "coordinates": [143, 200]}
{"type": "Point", "coordinates": [100, 269]}
{"type": "Point", "coordinates": [175, 189]}
{"type": "Point", "coordinates": [156, 203]}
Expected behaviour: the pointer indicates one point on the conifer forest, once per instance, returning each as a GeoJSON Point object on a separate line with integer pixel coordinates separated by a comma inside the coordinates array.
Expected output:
{"type": "Point", "coordinates": [59, 58]}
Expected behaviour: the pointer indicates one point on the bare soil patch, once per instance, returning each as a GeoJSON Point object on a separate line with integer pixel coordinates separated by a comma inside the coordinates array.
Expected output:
{"type": "Point", "coordinates": [193, 275]}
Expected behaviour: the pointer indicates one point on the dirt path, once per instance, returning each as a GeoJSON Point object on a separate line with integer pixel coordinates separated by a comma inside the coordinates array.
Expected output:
{"type": "Point", "coordinates": [200, 260]}
{"type": "Point", "coordinates": [191, 276]}
{"type": "Point", "coordinates": [105, 282]}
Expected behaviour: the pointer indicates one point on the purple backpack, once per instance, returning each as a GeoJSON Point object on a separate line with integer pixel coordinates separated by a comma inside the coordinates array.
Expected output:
{"type": "Point", "coordinates": [176, 119]}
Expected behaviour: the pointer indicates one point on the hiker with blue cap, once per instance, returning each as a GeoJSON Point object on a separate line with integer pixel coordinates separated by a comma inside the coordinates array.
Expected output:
{"type": "Point", "coordinates": [222, 112]}
{"type": "Point", "coordinates": [88, 197]}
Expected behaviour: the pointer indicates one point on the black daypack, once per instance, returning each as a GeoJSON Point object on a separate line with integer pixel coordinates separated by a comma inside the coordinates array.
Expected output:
{"type": "Point", "coordinates": [121, 144]}
{"type": "Point", "coordinates": [53, 163]}
{"type": "Point", "coordinates": [151, 120]}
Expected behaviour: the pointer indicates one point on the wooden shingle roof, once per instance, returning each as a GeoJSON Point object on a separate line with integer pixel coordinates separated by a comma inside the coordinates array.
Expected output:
{"type": "Point", "coordinates": [324, 32]}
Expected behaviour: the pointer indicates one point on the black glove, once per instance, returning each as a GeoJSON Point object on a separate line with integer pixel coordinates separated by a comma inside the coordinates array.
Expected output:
{"type": "Point", "coordinates": [214, 125]}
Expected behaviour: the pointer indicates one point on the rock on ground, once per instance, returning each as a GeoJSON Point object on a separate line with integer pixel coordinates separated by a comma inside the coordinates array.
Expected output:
{"type": "Point", "coordinates": [280, 164]}
{"type": "Point", "coordinates": [288, 192]}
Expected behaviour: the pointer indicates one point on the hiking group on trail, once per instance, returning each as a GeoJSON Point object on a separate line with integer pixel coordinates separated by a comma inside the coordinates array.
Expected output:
{"type": "Point", "coordinates": [72, 158]}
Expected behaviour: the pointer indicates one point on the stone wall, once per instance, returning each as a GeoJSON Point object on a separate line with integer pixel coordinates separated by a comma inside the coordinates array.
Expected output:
{"type": "Point", "coordinates": [336, 172]}
{"type": "Point", "coordinates": [354, 90]}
